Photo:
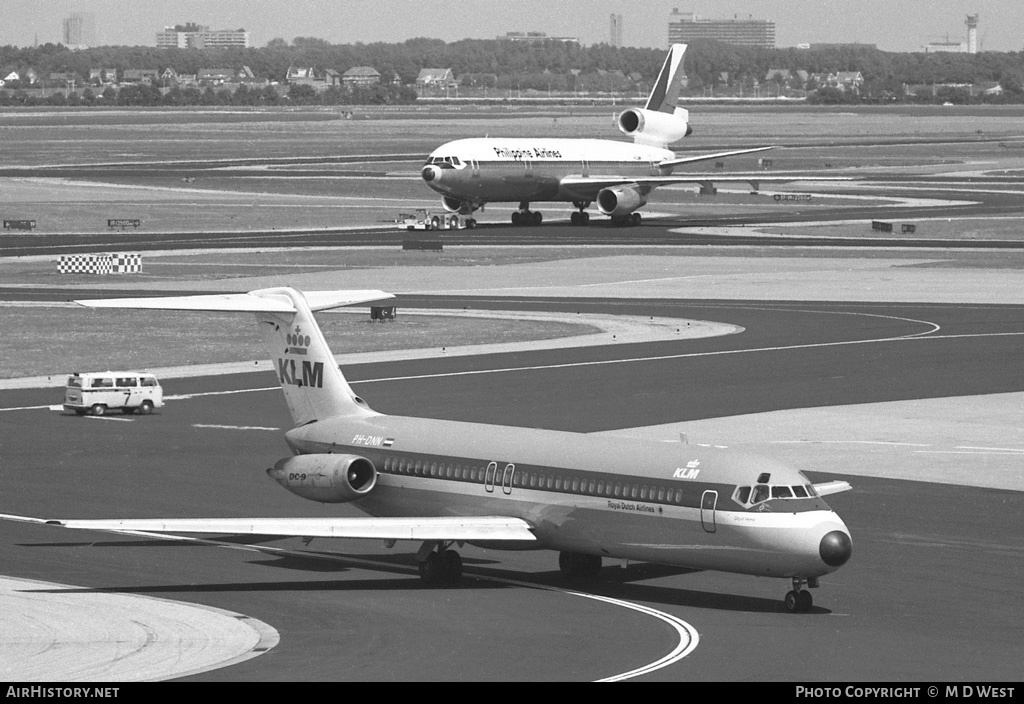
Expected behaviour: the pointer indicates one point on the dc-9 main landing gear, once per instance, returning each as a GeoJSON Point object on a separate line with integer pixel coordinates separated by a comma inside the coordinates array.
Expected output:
{"type": "Point", "coordinates": [799, 600]}
{"type": "Point", "coordinates": [439, 566]}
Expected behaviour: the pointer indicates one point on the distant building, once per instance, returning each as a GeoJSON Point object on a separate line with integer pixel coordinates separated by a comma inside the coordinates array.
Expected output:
{"type": "Point", "coordinates": [685, 27]}
{"type": "Point", "coordinates": [140, 75]}
{"type": "Point", "coordinates": [80, 30]}
{"type": "Point", "coordinates": [309, 76]}
{"type": "Point", "coordinates": [64, 78]}
{"type": "Point", "coordinates": [946, 47]}
{"type": "Point", "coordinates": [195, 36]}
{"type": "Point", "coordinates": [361, 76]}
{"type": "Point", "coordinates": [103, 75]}
{"type": "Point", "coordinates": [972, 34]}
{"type": "Point", "coordinates": [435, 78]}
{"type": "Point", "coordinates": [536, 38]}
{"type": "Point", "coordinates": [216, 76]}
{"type": "Point", "coordinates": [615, 30]}
{"type": "Point", "coordinates": [831, 46]}
{"type": "Point", "coordinates": [840, 80]}
{"type": "Point", "coordinates": [298, 75]}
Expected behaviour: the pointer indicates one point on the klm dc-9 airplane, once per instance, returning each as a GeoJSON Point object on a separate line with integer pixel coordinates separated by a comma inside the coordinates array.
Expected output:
{"type": "Point", "coordinates": [618, 176]}
{"type": "Point", "coordinates": [442, 482]}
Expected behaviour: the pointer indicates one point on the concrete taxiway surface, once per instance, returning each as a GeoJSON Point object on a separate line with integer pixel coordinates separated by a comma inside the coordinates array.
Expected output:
{"type": "Point", "coordinates": [792, 276]}
{"type": "Point", "coordinates": [55, 632]}
{"type": "Point", "coordinates": [801, 350]}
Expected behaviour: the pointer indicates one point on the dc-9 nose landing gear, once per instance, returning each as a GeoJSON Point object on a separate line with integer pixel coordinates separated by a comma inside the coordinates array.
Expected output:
{"type": "Point", "coordinates": [799, 600]}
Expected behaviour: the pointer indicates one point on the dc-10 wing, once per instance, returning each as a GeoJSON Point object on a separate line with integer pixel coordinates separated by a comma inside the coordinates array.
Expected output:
{"type": "Point", "coordinates": [587, 187]}
{"type": "Point", "coordinates": [708, 157]}
{"type": "Point", "coordinates": [467, 528]}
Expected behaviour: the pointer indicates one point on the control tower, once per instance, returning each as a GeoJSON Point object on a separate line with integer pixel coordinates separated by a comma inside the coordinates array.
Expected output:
{"type": "Point", "coordinates": [972, 34]}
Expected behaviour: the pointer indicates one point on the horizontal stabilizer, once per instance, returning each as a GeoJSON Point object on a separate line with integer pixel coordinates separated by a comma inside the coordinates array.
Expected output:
{"type": "Point", "coordinates": [826, 488]}
{"type": "Point", "coordinates": [261, 301]}
{"type": "Point", "coordinates": [448, 528]}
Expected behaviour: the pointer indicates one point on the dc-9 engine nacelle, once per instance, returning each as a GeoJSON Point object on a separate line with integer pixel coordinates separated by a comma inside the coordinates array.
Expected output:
{"type": "Point", "coordinates": [654, 128]}
{"type": "Point", "coordinates": [329, 479]}
{"type": "Point", "coordinates": [619, 200]}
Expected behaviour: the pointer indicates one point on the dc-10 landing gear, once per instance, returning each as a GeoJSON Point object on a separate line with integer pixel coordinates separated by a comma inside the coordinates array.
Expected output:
{"type": "Point", "coordinates": [525, 216]}
{"type": "Point", "coordinates": [440, 567]}
{"type": "Point", "coordinates": [799, 600]}
{"type": "Point", "coordinates": [581, 216]}
{"type": "Point", "coordinates": [629, 220]}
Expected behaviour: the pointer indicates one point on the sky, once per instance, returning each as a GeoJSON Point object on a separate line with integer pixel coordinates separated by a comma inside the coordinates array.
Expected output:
{"type": "Point", "coordinates": [893, 25]}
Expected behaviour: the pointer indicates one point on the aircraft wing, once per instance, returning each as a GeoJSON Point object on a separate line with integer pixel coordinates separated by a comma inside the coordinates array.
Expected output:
{"type": "Point", "coordinates": [587, 187]}
{"type": "Point", "coordinates": [446, 528]}
{"type": "Point", "coordinates": [826, 488]}
{"type": "Point", "coordinates": [708, 157]}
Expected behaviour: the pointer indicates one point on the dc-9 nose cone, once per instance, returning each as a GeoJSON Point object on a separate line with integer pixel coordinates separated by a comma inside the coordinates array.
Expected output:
{"type": "Point", "coordinates": [835, 548]}
{"type": "Point", "coordinates": [430, 173]}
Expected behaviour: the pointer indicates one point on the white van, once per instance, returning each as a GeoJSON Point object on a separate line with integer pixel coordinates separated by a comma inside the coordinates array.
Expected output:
{"type": "Point", "coordinates": [98, 392]}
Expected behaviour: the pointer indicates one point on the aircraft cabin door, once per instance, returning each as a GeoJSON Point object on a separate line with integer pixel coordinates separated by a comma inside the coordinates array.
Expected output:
{"type": "Point", "coordinates": [506, 478]}
{"type": "Point", "coordinates": [707, 510]}
{"type": "Point", "coordinates": [489, 476]}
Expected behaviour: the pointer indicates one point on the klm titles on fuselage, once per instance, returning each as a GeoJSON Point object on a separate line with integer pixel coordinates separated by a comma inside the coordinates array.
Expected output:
{"type": "Point", "coordinates": [536, 153]}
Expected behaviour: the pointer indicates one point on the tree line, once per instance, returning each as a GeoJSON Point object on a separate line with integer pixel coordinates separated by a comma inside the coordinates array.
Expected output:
{"type": "Point", "coordinates": [550, 65]}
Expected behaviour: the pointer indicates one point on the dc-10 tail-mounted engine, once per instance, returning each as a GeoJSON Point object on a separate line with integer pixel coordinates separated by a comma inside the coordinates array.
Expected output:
{"type": "Point", "coordinates": [656, 129]}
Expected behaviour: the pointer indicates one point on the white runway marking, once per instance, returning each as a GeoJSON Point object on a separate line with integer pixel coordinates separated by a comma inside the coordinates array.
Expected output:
{"type": "Point", "coordinates": [688, 636]}
{"type": "Point", "coordinates": [233, 427]}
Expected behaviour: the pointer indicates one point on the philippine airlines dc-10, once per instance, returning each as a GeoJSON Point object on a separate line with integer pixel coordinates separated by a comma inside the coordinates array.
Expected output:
{"type": "Point", "coordinates": [444, 482]}
{"type": "Point", "coordinates": [618, 176]}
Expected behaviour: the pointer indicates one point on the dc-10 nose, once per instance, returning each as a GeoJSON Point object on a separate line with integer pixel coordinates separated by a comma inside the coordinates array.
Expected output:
{"type": "Point", "coordinates": [835, 548]}
{"type": "Point", "coordinates": [431, 173]}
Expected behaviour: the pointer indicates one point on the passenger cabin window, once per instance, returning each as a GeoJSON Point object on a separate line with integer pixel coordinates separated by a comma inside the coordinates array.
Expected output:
{"type": "Point", "coordinates": [126, 381]}
{"type": "Point", "coordinates": [102, 383]}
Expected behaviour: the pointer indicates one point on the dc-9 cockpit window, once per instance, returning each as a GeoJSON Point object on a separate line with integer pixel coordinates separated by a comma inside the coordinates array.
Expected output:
{"type": "Point", "coordinates": [751, 496]}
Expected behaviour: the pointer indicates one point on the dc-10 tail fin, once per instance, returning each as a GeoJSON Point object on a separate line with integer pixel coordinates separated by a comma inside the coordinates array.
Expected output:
{"type": "Point", "coordinates": [664, 95]}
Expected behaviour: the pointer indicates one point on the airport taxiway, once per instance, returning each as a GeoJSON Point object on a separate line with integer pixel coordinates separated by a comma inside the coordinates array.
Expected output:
{"type": "Point", "coordinates": [898, 370]}
{"type": "Point", "coordinates": [919, 545]}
